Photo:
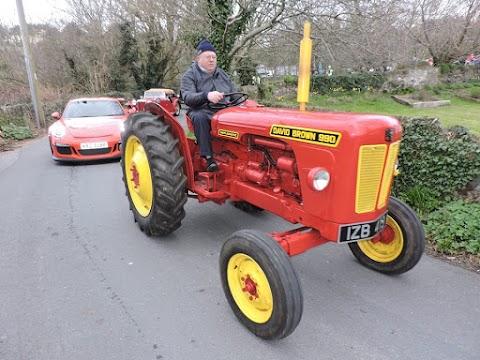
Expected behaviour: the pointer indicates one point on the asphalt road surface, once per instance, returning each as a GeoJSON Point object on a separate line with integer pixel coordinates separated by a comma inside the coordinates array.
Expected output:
{"type": "Point", "coordinates": [78, 280]}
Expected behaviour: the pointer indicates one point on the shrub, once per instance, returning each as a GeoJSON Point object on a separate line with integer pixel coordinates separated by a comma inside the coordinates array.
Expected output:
{"type": "Point", "coordinates": [421, 199]}
{"type": "Point", "coordinates": [445, 69]}
{"type": "Point", "coordinates": [475, 93]}
{"type": "Point", "coordinates": [441, 160]}
{"type": "Point", "coordinates": [455, 227]}
{"type": "Point", "coordinates": [347, 83]}
{"type": "Point", "coordinates": [16, 132]}
{"type": "Point", "coordinates": [290, 80]}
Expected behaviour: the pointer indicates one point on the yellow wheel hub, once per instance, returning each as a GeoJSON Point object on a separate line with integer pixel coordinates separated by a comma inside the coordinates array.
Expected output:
{"type": "Point", "coordinates": [385, 251]}
{"type": "Point", "coordinates": [250, 288]}
{"type": "Point", "coordinates": [138, 176]}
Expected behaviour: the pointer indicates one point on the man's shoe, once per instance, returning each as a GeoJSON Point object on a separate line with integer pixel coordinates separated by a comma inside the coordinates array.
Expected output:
{"type": "Point", "coordinates": [212, 165]}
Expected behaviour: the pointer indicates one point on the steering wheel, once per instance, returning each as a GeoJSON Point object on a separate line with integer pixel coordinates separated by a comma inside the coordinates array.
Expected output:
{"type": "Point", "coordinates": [234, 99]}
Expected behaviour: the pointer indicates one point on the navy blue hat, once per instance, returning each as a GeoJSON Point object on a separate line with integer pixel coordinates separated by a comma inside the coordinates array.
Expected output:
{"type": "Point", "coordinates": [205, 45]}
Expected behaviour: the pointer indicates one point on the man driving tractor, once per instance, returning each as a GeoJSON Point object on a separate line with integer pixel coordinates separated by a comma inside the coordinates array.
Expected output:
{"type": "Point", "coordinates": [205, 83]}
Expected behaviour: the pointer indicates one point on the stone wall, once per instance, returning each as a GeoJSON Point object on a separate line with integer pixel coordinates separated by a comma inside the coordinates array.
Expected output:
{"type": "Point", "coordinates": [423, 75]}
{"type": "Point", "coordinates": [24, 114]}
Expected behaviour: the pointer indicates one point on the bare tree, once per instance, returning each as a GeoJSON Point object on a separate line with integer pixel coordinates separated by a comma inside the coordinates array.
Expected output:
{"type": "Point", "coordinates": [447, 29]}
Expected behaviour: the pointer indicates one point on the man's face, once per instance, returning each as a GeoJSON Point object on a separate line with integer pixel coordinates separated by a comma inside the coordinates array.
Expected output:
{"type": "Point", "coordinates": [208, 61]}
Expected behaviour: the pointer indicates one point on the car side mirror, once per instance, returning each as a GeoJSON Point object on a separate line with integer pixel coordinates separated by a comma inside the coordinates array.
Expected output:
{"type": "Point", "coordinates": [131, 110]}
{"type": "Point", "coordinates": [56, 115]}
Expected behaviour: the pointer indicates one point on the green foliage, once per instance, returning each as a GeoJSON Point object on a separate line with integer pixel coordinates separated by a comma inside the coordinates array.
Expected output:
{"type": "Point", "coordinates": [475, 93]}
{"type": "Point", "coordinates": [343, 83]}
{"type": "Point", "coordinates": [290, 80]}
{"type": "Point", "coordinates": [16, 132]}
{"type": "Point", "coordinates": [154, 69]}
{"type": "Point", "coordinates": [437, 159]}
{"type": "Point", "coordinates": [421, 199]}
{"type": "Point", "coordinates": [224, 32]}
{"type": "Point", "coordinates": [427, 87]}
{"type": "Point", "coordinates": [265, 90]}
{"type": "Point", "coordinates": [445, 69]}
{"type": "Point", "coordinates": [455, 228]}
{"type": "Point", "coordinates": [247, 71]}
{"type": "Point", "coordinates": [128, 58]}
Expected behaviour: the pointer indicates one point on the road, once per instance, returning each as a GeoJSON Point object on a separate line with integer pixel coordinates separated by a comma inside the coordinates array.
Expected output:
{"type": "Point", "coordinates": [78, 280]}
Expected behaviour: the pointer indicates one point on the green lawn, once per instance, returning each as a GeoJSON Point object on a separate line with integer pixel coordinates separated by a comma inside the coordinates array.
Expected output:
{"type": "Point", "coordinates": [460, 112]}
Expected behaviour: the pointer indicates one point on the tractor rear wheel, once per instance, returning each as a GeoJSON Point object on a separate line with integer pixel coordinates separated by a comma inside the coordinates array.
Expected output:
{"type": "Point", "coordinates": [153, 174]}
{"type": "Point", "coordinates": [260, 284]}
{"type": "Point", "coordinates": [401, 245]}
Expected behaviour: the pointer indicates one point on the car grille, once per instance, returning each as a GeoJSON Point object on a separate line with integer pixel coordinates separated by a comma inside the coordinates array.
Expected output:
{"type": "Point", "coordinates": [95, 151]}
{"type": "Point", "coordinates": [64, 150]}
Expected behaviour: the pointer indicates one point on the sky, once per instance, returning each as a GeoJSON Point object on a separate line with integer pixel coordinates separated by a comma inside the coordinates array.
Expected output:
{"type": "Point", "coordinates": [36, 11]}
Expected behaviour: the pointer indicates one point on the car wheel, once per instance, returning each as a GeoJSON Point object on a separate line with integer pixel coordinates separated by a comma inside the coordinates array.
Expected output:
{"type": "Point", "coordinates": [153, 174]}
{"type": "Point", "coordinates": [401, 244]}
{"type": "Point", "coordinates": [260, 284]}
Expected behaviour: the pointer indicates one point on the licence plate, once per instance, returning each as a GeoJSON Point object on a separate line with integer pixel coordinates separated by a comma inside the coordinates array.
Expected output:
{"type": "Point", "coordinates": [93, 145]}
{"type": "Point", "coordinates": [361, 231]}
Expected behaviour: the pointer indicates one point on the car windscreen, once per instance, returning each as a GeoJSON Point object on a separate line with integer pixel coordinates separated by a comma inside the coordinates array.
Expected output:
{"type": "Point", "coordinates": [154, 94]}
{"type": "Point", "coordinates": [92, 108]}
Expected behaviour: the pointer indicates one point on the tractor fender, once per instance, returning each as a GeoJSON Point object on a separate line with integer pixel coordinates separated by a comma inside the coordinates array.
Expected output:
{"type": "Point", "coordinates": [179, 133]}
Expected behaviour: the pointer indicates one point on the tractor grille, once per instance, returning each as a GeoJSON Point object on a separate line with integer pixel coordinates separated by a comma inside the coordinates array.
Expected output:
{"type": "Point", "coordinates": [376, 164]}
{"type": "Point", "coordinates": [388, 173]}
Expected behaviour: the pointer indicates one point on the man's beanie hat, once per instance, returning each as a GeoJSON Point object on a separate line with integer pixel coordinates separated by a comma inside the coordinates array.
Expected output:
{"type": "Point", "coordinates": [205, 45]}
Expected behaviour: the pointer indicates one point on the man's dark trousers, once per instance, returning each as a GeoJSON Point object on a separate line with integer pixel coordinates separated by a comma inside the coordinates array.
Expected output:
{"type": "Point", "coordinates": [202, 128]}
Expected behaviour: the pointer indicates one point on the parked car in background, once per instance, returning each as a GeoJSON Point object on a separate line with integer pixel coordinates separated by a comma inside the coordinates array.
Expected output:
{"type": "Point", "coordinates": [166, 98]}
{"type": "Point", "coordinates": [88, 129]}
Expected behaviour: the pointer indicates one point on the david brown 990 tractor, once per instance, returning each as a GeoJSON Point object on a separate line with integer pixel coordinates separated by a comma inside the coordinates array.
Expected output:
{"type": "Point", "coordinates": [329, 172]}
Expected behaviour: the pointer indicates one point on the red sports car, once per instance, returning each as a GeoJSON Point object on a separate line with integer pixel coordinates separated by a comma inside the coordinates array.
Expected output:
{"type": "Point", "coordinates": [89, 129]}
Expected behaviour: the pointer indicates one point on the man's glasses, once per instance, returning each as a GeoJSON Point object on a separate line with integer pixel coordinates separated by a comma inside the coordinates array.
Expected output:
{"type": "Point", "coordinates": [209, 57]}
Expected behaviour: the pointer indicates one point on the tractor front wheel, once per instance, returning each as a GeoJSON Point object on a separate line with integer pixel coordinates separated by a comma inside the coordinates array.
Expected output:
{"type": "Point", "coordinates": [153, 174]}
{"type": "Point", "coordinates": [260, 284]}
{"type": "Point", "coordinates": [399, 246]}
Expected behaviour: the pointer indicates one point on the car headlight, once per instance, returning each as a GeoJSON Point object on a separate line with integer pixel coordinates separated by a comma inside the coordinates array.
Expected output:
{"type": "Point", "coordinates": [58, 130]}
{"type": "Point", "coordinates": [319, 178]}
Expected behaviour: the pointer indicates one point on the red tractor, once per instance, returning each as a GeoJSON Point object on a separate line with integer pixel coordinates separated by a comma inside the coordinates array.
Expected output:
{"type": "Point", "coordinates": [329, 172]}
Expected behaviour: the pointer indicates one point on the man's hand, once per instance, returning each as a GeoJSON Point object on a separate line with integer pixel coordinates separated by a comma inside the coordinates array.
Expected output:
{"type": "Point", "coordinates": [214, 96]}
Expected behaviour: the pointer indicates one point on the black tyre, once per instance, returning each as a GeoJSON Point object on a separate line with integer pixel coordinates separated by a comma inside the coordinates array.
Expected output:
{"type": "Point", "coordinates": [402, 246]}
{"type": "Point", "coordinates": [177, 109]}
{"type": "Point", "coordinates": [260, 284]}
{"type": "Point", "coordinates": [246, 206]}
{"type": "Point", "coordinates": [153, 174]}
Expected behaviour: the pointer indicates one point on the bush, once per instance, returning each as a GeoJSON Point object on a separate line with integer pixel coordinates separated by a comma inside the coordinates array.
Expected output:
{"type": "Point", "coordinates": [290, 80]}
{"type": "Point", "coordinates": [16, 132]}
{"type": "Point", "coordinates": [475, 93]}
{"type": "Point", "coordinates": [347, 83]}
{"type": "Point", "coordinates": [421, 199]}
{"type": "Point", "coordinates": [455, 227]}
{"type": "Point", "coordinates": [438, 159]}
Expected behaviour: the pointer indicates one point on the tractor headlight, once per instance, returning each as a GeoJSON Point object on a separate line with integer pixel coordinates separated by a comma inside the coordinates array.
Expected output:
{"type": "Point", "coordinates": [121, 125]}
{"type": "Point", "coordinates": [319, 178]}
{"type": "Point", "coordinates": [58, 130]}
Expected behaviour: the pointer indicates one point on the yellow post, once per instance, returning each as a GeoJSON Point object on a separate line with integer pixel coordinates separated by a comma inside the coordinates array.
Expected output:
{"type": "Point", "coordinates": [304, 69]}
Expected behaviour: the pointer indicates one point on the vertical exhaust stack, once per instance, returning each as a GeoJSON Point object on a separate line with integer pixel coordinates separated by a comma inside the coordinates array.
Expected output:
{"type": "Point", "coordinates": [304, 68]}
